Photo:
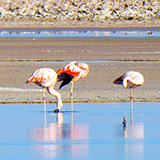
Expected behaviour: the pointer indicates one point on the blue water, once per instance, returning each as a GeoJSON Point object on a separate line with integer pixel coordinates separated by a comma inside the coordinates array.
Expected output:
{"type": "Point", "coordinates": [83, 32]}
{"type": "Point", "coordinates": [93, 131]}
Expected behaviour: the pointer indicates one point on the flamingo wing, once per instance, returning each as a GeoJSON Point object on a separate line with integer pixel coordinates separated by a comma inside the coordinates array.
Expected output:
{"type": "Point", "coordinates": [119, 80]}
{"type": "Point", "coordinates": [65, 78]}
{"type": "Point", "coordinates": [135, 78]}
{"type": "Point", "coordinates": [69, 73]}
{"type": "Point", "coordinates": [73, 70]}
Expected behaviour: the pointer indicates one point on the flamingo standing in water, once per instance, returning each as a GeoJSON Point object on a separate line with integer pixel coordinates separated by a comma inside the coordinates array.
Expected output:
{"type": "Point", "coordinates": [46, 78]}
{"type": "Point", "coordinates": [72, 73]}
{"type": "Point", "coordinates": [130, 79]}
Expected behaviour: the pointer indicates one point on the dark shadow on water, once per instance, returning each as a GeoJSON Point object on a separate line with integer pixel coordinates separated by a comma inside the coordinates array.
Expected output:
{"type": "Point", "coordinates": [64, 111]}
{"type": "Point", "coordinates": [60, 112]}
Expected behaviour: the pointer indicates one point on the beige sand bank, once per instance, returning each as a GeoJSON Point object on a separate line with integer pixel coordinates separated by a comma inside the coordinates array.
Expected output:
{"type": "Point", "coordinates": [19, 58]}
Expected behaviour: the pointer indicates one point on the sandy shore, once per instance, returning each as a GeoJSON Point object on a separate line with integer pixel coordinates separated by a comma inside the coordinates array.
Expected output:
{"type": "Point", "coordinates": [79, 24]}
{"type": "Point", "coordinates": [19, 57]}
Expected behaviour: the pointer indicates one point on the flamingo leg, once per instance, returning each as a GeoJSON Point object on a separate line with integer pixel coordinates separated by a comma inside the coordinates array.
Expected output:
{"type": "Point", "coordinates": [72, 85]}
{"type": "Point", "coordinates": [44, 103]}
{"type": "Point", "coordinates": [44, 99]}
{"type": "Point", "coordinates": [131, 108]}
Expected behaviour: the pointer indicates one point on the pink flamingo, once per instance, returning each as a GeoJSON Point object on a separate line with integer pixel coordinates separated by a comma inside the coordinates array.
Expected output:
{"type": "Point", "coordinates": [46, 78]}
{"type": "Point", "coordinates": [130, 79]}
{"type": "Point", "coordinates": [72, 73]}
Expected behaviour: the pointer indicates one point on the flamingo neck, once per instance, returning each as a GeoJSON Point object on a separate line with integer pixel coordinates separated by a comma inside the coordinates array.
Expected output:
{"type": "Point", "coordinates": [53, 92]}
{"type": "Point", "coordinates": [125, 82]}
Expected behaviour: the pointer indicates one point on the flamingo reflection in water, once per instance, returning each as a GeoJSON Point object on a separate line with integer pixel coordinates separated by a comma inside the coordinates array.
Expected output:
{"type": "Point", "coordinates": [134, 131]}
{"type": "Point", "coordinates": [51, 133]}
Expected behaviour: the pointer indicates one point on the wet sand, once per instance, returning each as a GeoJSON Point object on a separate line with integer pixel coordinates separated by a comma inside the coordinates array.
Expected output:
{"type": "Point", "coordinates": [80, 24]}
{"type": "Point", "coordinates": [19, 57]}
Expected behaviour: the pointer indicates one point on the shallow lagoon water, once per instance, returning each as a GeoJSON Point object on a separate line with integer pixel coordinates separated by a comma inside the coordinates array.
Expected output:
{"type": "Point", "coordinates": [92, 131]}
{"type": "Point", "coordinates": [82, 32]}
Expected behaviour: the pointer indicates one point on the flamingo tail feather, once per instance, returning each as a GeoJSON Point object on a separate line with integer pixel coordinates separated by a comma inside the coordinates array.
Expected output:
{"type": "Point", "coordinates": [65, 78]}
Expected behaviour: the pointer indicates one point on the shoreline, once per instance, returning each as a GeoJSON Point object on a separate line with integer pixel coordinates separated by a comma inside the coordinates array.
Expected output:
{"type": "Point", "coordinates": [46, 25]}
{"type": "Point", "coordinates": [54, 102]}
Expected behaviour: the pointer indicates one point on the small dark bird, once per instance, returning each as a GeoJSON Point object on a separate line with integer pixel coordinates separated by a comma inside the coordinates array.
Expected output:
{"type": "Point", "coordinates": [124, 122]}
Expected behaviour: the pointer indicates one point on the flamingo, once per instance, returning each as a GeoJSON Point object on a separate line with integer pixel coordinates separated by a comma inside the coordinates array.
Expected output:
{"type": "Point", "coordinates": [46, 78]}
{"type": "Point", "coordinates": [71, 73]}
{"type": "Point", "coordinates": [130, 79]}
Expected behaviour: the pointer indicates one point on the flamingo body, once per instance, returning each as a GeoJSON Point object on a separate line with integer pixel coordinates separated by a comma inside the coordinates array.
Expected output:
{"type": "Point", "coordinates": [130, 79]}
{"type": "Point", "coordinates": [72, 73]}
{"type": "Point", "coordinates": [43, 77]}
{"type": "Point", "coordinates": [46, 77]}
